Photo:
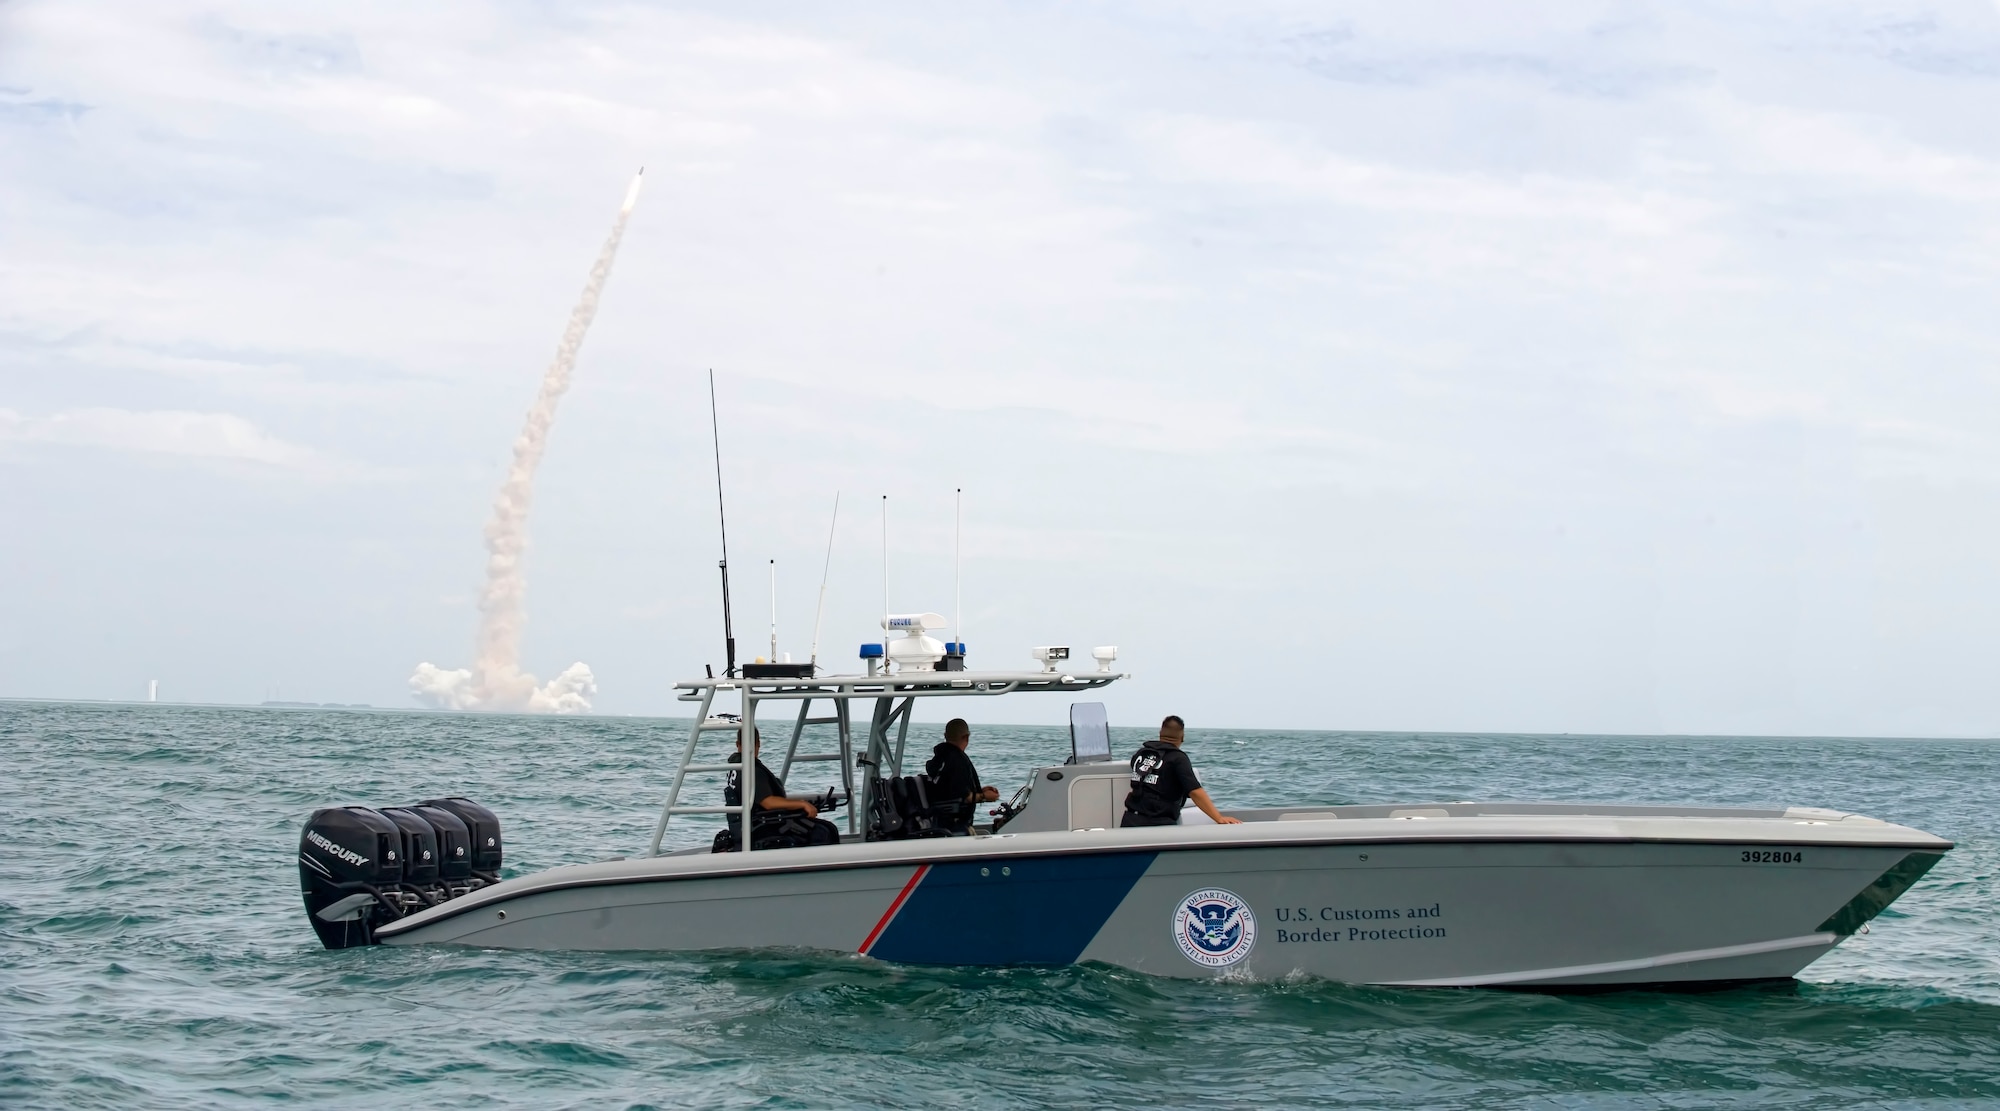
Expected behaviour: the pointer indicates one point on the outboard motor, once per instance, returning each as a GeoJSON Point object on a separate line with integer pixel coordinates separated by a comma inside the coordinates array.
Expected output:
{"type": "Point", "coordinates": [484, 827]}
{"type": "Point", "coordinates": [360, 867]}
{"type": "Point", "coordinates": [454, 849]}
{"type": "Point", "coordinates": [348, 856]}
{"type": "Point", "coordinates": [420, 887]}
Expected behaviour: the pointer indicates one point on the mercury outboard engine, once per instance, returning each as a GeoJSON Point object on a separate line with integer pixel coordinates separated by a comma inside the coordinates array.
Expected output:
{"type": "Point", "coordinates": [454, 849]}
{"type": "Point", "coordinates": [420, 886]}
{"type": "Point", "coordinates": [483, 826]}
{"type": "Point", "coordinates": [360, 867]}
{"type": "Point", "coordinates": [348, 856]}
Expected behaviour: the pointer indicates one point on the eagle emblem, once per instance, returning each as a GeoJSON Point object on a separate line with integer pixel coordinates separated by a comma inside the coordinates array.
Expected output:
{"type": "Point", "coordinates": [1214, 928]}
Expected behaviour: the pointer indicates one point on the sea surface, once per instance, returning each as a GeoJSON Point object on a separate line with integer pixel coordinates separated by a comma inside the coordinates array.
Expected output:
{"type": "Point", "coordinates": [153, 951]}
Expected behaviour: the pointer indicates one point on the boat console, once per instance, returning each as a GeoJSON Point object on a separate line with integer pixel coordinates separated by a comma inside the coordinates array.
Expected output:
{"type": "Point", "coordinates": [890, 802]}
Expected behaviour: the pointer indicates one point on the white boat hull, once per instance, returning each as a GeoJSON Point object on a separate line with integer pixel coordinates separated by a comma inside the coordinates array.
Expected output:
{"type": "Point", "coordinates": [1553, 897]}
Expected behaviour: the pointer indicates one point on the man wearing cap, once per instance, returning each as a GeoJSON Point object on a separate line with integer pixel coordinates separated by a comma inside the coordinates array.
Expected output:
{"type": "Point", "coordinates": [1163, 781]}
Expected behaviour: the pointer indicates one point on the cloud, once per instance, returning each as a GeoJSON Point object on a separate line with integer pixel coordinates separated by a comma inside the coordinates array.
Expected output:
{"type": "Point", "coordinates": [1259, 156]}
{"type": "Point", "coordinates": [165, 432]}
{"type": "Point", "coordinates": [1136, 277]}
{"type": "Point", "coordinates": [1580, 66]}
{"type": "Point", "coordinates": [16, 105]}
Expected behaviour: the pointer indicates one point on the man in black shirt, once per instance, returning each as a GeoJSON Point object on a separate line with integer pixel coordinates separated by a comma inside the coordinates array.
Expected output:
{"type": "Point", "coordinates": [768, 790]}
{"type": "Point", "coordinates": [956, 779]}
{"type": "Point", "coordinates": [777, 821]}
{"type": "Point", "coordinates": [1163, 780]}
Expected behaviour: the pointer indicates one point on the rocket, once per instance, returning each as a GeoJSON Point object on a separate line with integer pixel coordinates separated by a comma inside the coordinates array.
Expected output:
{"type": "Point", "coordinates": [632, 194]}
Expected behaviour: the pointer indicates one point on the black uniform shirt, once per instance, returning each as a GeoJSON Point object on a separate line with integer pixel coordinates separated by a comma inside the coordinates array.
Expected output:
{"type": "Point", "coordinates": [1162, 779]}
{"type": "Point", "coordinates": [768, 784]}
{"type": "Point", "coordinates": [952, 769]}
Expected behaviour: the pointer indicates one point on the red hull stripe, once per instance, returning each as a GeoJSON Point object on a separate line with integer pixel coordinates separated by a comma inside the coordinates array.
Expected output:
{"type": "Point", "coordinates": [889, 914]}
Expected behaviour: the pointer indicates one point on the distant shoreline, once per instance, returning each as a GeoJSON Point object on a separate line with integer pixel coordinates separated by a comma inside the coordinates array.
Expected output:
{"type": "Point", "coordinates": [343, 707]}
{"type": "Point", "coordinates": [1120, 730]}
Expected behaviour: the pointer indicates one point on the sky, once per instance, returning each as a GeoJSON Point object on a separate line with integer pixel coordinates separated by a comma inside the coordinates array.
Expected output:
{"type": "Point", "coordinates": [1568, 367]}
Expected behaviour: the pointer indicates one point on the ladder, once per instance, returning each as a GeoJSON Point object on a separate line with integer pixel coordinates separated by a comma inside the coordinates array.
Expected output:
{"type": "Point", "coordinates": [706, 723]}
{"type": "Point", "coordinates": [845, 755]}
{"type": "Point", "coordinates": [703, 724]}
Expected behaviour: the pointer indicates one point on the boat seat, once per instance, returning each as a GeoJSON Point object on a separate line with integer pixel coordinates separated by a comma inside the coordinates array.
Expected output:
{"type": "Point", "coordinates": [786, 829]}
{"type": "Point", "coordinates": [903, 809]}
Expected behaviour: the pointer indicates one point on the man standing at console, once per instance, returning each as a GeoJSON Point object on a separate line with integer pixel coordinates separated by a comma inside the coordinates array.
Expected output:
{"type": "Point", "coordinates": [1163, 780]}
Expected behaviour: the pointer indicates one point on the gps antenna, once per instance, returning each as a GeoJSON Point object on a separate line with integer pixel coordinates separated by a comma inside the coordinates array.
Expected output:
{"type": "Point", "coordinates": [728, 627]}
{"type": "Point", "coordinates": [821, 612]}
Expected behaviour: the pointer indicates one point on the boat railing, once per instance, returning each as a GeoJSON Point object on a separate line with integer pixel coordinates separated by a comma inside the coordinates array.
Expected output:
{"type": "Point", "coordinates": [894, 695]}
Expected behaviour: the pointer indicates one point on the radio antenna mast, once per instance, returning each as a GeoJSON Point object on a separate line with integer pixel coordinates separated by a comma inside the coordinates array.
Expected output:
{"type": "Point", "coordinates": [774, 611]}
{"type": "Point", "coordinates": [885, 584]}
{"type": "Point", "coordinates": [821, 612]}
{"type": "Point", "coordinates": [728, 627]}
{"type": "Point", "coordinates": [958, 570]}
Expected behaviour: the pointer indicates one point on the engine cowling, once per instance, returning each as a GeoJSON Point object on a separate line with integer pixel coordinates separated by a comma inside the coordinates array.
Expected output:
{"type": "Point", "coordinates": [484, 827]}
{"type": "Point", "coordinates": [420, 846]}
{"type": "Point", "coordinates": [360, 867]}
{"type": "Point", "coordinates": [347, 855]}
{"type": "Point", "coordinates": [454, 848]}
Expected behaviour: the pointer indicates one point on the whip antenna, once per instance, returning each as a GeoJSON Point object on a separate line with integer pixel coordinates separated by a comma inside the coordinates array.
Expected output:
{"type": "Point", "coordinates": [958, 570]}
{"type": "Point", "coordinates": [821, 612]}
{"type": "Point", "coordinates": [885, 584]}
{"type": "Point", "coordinates": [774, 611]}
{"type": "Point", "coordinates": [722, 519]}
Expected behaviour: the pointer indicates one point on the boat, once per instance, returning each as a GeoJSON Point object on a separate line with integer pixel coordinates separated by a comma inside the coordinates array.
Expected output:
{"type": "Point", "coordinates": [1436, 894]}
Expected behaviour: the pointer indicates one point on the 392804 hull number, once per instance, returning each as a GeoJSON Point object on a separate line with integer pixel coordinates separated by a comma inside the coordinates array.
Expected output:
{"type": "Point", "coordinates": [1773, 856]}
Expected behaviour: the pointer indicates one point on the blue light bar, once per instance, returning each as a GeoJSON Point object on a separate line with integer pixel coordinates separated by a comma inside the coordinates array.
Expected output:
{"type": "Point", "coordinates": [871, 651]}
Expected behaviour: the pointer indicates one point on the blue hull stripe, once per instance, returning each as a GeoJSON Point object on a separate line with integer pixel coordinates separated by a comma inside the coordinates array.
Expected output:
{"type": "Point", "coordinates": [1038, 910]}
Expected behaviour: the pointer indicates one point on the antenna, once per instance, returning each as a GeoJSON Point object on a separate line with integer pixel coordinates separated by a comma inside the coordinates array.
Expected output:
{"type": "Point", "coordinates": [958, 570]}
{"type": "Point", "coordinates": [728, 628]}
{"type": "Point", "coordinates": [821, 612]}
{"type": "Point", "coordinates": [774, 611]}
{"type": "Point", "coordinates": [885, 584]}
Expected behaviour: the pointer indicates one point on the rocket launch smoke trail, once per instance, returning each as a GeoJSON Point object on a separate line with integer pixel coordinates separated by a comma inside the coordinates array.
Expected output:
{"type": "Point", "coordinates": [496, 681]}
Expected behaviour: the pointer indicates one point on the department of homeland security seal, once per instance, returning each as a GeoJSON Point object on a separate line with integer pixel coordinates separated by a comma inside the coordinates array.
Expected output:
{"type": "Point", "coordinates": [1214, 928]}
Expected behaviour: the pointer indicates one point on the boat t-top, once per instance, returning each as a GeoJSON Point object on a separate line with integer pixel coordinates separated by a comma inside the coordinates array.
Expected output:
{"type": "Point", "coordinates": [1518, 894]}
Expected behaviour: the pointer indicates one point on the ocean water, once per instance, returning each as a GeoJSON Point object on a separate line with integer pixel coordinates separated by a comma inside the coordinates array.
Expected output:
{"type": "Point", "coordinates": [153, 951]}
